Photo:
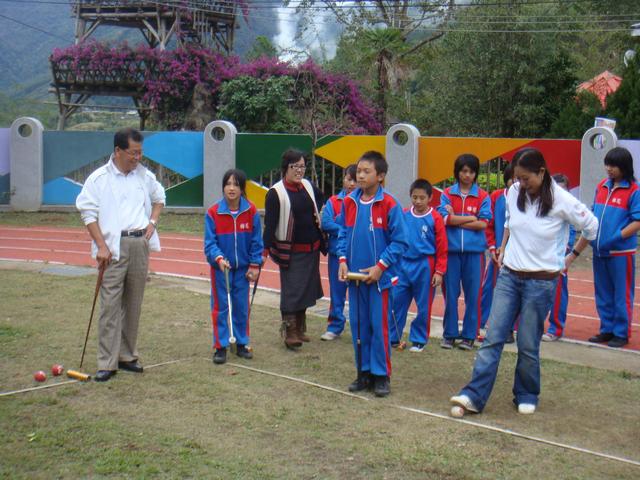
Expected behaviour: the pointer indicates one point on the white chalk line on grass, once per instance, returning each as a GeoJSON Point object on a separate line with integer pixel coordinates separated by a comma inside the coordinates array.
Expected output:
{"type": "Point", "coordinates": [492, 428]}
{"type": "Point", "coordinates": [68, 382]}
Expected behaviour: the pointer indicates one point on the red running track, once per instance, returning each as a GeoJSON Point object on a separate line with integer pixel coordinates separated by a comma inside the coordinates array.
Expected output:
{"type": "Point", "coordinates": [183, 255]}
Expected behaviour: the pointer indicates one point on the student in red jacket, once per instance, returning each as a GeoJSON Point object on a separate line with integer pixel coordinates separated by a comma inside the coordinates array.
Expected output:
{"type": "Point", "coordinates": [233, 242]}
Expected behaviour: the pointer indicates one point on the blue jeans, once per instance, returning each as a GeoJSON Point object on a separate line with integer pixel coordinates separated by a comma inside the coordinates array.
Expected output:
{"type": "Point", "coordinates": [532, 299]}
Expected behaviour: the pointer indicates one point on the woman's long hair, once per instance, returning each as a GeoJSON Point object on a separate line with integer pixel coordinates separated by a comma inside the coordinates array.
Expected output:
{"type": "Point", "coordinates": [621, 157]}
{"type": "Point", "coordinates": [532, 160]}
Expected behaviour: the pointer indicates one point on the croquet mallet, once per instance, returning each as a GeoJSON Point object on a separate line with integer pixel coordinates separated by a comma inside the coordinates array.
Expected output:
{"type": "Point", "coordinates": [74, 373]}
{"type": "Point", "coordinates": [357, 278]}
{"type": "Point", "coordinates": [232, 339]}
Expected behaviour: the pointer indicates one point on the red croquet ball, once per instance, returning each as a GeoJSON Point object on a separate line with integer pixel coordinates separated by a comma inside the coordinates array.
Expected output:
{"type": "Point", "coordinates": [57, 370]}
{"type": "Point", "coordinates": [39, 376]}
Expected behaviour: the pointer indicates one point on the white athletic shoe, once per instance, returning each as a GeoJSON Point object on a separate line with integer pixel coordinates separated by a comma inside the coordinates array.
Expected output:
{"type": "Point", "coordinates": [550, 337]}
{"type": "Point", "coordinates": [328, 336]}
{"type": "Point", "coordinates": [417, 348]}
{"type": "Point", "coordinates": [526, 408]}
{"type": "Point", "coordinates": [465, 402]}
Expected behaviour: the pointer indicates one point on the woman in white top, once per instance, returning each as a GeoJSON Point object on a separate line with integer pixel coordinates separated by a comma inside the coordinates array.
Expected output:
{"type": "Point", "coordinates": [532, 255]}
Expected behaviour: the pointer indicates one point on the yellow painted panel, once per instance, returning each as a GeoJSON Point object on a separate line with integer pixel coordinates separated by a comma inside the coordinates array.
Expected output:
{"type": "Point", "coordinates": [348, 149]}
{"type": "Point", "coordinates": [436, 155]}
{"type": "Point", "coordinates": [256, 193]}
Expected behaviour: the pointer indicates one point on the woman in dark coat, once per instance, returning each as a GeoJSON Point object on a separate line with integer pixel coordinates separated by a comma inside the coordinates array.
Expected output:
{"type": "Point", "coordinates": [293, 238]}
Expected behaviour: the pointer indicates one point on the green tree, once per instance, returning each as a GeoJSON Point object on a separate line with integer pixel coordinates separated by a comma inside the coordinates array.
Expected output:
{"type": "Point", "coordinates": [257, 105]}
{"type": "Point", "coordinates": [261, 47]}
{"type": "Point", "coordinates": [624, 103]}
{"type": "Point", "coordinates": [576, 117]}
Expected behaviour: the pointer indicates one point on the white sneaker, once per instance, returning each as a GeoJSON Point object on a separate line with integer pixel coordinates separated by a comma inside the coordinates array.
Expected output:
{"type": "Point", "coordinates": [526, 408]}
{"type": "Point", "coordinates": [465, 402]}
{"type": "Point", "coordinates": [417, 348]}
{"type": "Point", "coordinates": [550, 337]}
{"type": "Point", "coordinates": [328, 336]}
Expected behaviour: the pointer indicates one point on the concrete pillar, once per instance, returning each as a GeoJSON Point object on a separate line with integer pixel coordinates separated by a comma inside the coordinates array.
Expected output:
{"type": "Point", "coordinates": [402, 156]}
{"type": "Point", "coordinates": [219, 156]}
{"type": "Point", "coordinates": [26, 160]}
{"type": "Point", "coordinates": [596, 142]}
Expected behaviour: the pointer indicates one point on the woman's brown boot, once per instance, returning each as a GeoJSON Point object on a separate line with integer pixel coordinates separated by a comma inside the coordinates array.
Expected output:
{"type": "Point", "coordinates": [301, 323]}
{"type": "Point", "coordinates": [290, 331]}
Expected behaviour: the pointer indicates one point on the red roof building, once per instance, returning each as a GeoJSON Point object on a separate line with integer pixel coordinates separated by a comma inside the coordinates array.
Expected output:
{"type": "Point", "coordinates": [601, 85]}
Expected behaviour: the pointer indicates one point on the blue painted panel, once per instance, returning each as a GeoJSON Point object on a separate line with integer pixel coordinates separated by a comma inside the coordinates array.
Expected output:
{"type": "Point", "coordinates": [60, 191]}
{"type": "Point", "coordinates": [179, 151]}
{"type": "Point", "coordinates": [65, 152]}
{"type": "Point", "coordinates": [5, 137]}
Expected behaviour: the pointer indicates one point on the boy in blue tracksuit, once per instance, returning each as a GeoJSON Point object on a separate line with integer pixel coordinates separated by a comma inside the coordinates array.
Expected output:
{"type": "Point", "coordinates": [233, 243]}
{"type": "Point", "coordinates": [421, 268]}
{"type": "Point", "coordinates": [558, 311]}
{"type": "Point", "coordinates": [466, 209]}
{"type": "Point", "coordinates": [617, 208]}
{"type": "Point", "coordinates": [494, 233]}
{"type": "Point", "coordinates": [371, 241]}
{"type": "Point", "coordinates": [338, 289]}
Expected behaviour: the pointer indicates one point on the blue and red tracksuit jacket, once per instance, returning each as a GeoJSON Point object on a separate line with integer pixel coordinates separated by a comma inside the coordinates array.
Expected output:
{"type": "Point", "coordinates": [495, 228]}
{"type": "Point", "coordinates": [426, 236]}
{"type": "Point", "coordinates": [238, 239]}
{"type": "Point", "coordinates": [615, 208]}
{"type": "Point", "coordinates": [386, 231]}
{"type": "Point", "coordinates": [477, 203]}
{"type": "Point", "coordinates": [329, 225]}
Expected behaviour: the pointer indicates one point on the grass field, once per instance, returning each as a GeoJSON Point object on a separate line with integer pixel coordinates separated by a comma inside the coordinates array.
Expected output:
{"type": "Point", "coordinates": [193, 419]}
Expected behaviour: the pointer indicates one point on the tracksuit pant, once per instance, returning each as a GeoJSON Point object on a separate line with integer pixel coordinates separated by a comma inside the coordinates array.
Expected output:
{"type": "Point", "coordinates": [466, 269]}
{"type": "Point", "coordinates": [239, 287]}
{"type": "Point", "coordinates": [614, 282]}
{"type": "Point", "coordinates": [369, 312]}
{"type": "Point", "coordinates": [488, 284]}
{"type": "Point", "coordinates": [413, 283]}
{"type": "Point", "coordinates": [338, 293]}
{"type": "Point", "coordinates": [558, 313]}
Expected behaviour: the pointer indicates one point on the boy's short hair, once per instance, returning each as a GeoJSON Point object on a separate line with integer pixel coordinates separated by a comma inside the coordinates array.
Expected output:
{"type": "Point", "coordinates": [561, 178]}
{"type": "Point", "coordinates": [508, 173]}
{"type": "Point", "coordinates": [421, 184]}
{"type": "Point", "coordinates": [351, 170]}
{"type": "Point", "coordinates": [466, 160]}
{"type": "Point", "coordinates": [378, 160]}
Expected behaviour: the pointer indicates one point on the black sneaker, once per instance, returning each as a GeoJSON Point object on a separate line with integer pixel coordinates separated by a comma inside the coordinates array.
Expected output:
{"type": "Point", "coordinates": [510, 338]}
{"type": "Point", "coordinates": [220, 356]}
{"type": "Point", "coordinates": [381, 386]}
{"type": "Point", "coordinates": [244, 352]}
{"type": "Point", "coordinates": [601, 338]}
{"type": "Point", "coordinates": [363, 382]}
{"type": "Point", "coordinates": [617, 342]}
{"type": "Point", "coordinates": [465, 344]}
{"type": "Point", "coordinates": [447, 343]}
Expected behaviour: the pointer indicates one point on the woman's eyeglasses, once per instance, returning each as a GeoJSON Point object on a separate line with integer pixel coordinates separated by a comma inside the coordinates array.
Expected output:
{"type": "Point", "coordinates": [299, 168]}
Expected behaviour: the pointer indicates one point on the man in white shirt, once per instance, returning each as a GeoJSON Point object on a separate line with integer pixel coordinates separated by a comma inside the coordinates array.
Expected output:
{"type": "Point", "coordinates": [120, 203]}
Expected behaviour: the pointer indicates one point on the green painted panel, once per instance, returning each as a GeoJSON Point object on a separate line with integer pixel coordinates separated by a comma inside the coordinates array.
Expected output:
{"type": "Point", "coordinates": [258, 153]}
{"type": "Point", "coordinates": [326, 140]}
{"type": "Point", "coordinates": [186, 194]}
{"type": "Point", "coordinates": [5, 188]}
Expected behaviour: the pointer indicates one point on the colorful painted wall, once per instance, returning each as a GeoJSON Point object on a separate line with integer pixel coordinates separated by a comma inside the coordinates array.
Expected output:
{"type": "Point", "coordinates": [5, 136]}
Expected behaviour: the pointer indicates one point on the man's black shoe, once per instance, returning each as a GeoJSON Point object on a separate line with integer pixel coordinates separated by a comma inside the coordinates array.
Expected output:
{"type": "Point", "coordinates": [510, 338]}
{"type": "Point", "coordinates": [381, 387]}
{"type": "Point", "coordinates": [132, 366]}
{"type": "Point", "coordinates": [220, 356]}
{"type": "Point", "coordinates": [363, 382]}
{"type": "Point", "coordinates": [104, 375]}
{"type": "Point", "coordinates": [601, 338]}
{"type": "Point", "coordinates": [243, 352]}
{"type": "Point", "coordinates": [617, 342]}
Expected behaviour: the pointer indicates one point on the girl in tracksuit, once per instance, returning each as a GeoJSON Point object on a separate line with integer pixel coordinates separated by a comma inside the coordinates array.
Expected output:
{"type": "Point", "coordinates": [558, 312]}
{"type": "Point", "coordinates": [233, 242]}
{"type": "Point", "coordinates": [422, 266]}
{"type": "Point", "coordinates": [466, 209]}
{"type": "Point", "coordinates": [494, 232]}
{"type": "Point", "coordinates": [338, 289]}
{"type": "Point", "coordinates": [617, 208]}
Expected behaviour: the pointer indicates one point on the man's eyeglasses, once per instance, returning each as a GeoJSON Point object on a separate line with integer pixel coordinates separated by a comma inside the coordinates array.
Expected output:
{"type": "Point", "coordinates": [299, 168]}
{"type": "Point", "coordinates": [133, 153]}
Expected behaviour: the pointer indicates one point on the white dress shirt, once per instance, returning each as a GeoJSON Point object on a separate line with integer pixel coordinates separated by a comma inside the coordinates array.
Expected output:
{"type": "Point", "coordinates": [119, 202]}
{"type": "Point", "coordinates": [539, 243]}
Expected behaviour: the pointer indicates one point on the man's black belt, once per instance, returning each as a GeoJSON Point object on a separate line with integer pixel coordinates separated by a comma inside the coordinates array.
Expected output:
{"type": "Point", "coordinates": [133, 233]}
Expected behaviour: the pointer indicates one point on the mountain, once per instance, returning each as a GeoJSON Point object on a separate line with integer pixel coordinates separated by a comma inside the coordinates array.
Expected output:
{"type": "Point", "coordinates": [30, 30]}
